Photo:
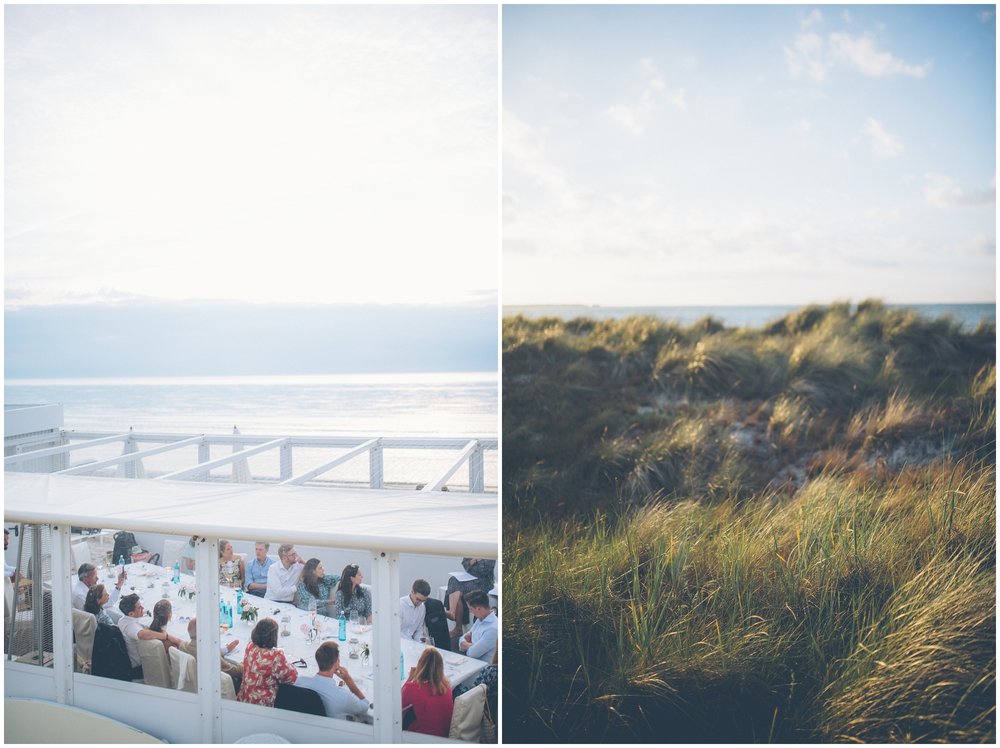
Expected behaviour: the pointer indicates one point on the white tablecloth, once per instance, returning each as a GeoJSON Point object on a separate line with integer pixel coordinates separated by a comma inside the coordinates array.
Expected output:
{"type": "Point", "coordinates": [151, 583]}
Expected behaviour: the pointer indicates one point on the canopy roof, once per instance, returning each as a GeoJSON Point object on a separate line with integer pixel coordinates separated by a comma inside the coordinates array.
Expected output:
{"type": "Point", "coordinates": [438, 523]}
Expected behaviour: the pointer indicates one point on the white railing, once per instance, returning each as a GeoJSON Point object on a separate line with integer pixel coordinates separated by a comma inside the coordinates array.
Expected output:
{"type": "Point", "coordinates": [468, 451]}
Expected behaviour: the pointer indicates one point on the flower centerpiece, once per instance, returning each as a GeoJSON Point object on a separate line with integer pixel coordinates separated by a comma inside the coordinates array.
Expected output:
{"type": "Point", "coordinates": [365, 653]}
{"type": "Point", "coordinates": [249, 613]}
{"type": "Point", "coordinates": [186, 593]}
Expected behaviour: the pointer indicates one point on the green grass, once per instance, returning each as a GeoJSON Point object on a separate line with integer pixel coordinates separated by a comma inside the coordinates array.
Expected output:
{"type": "Point", "coordinates": [773, 535]}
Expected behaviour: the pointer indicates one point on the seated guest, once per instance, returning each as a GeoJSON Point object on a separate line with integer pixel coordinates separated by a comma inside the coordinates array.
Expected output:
{"type": "Point", "coordinates": [351, 596]}
{"type": "Point", "coordinates": [428, 694]}
{"type": "Point", "coordinates": [283, 577]}
{"type": "Point", "coordinates": [480, 568]}
{"type": "Point", "coordinates": [163, 611]}
{"type": "Point", "coordinates": [97, 598]}
{"type": "Point", "coordinates": [132, 630]}
{"type": "Point", "coordinates": [411, 611]}
{"type": "Point", "coordinates": [86, 577]}
{"type": "Point", "coordinates": [482, 637]}
{"type": "Point", "coordinates": [256, 570]}
{"type": "Point", "coordinates": [8, 570]}
{"type": "Point", "coordinates": [264, 665]}
{"type": "Point", "coordinates": [234, 669]}
{"type": "Point", "coordinates": [187, 556]}
{"type": "Point", "coordinates": [338, 702]}
{"type": "Point", "coordinates": [316, 586]}
{"type": "Point", "coordinates": [231, 570]}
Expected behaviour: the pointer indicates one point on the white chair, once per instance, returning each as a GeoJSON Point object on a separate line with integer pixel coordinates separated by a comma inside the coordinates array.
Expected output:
{"type": "Point", "coordinates": [81, 554]}
{"type": "Point", "coordinates": [84, 630]}
{"type": "Point", "coordinates": [184, 675]}
{"type": "Point", "coordinates": [155, 668]}
{"type": "Point", "coordinates": [467, 715]}
{"type": "Point", "coordinates": [172, 550]}
{"type": "Point", "coordinates": [183, 670]}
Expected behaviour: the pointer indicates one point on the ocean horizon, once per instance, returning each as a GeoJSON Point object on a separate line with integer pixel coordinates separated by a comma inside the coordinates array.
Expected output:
{"type": "Point", "coordinates": [968, 315]}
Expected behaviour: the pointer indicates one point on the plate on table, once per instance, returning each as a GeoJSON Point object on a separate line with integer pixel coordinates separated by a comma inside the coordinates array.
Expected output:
{"type": "Point", "coordinates": [455, 661]}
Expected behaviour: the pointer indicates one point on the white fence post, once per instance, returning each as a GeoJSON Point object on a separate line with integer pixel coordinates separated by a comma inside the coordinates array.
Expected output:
{"type": "Point", "coordinates": [375, 470]}
{"type": "Point", "coordinates": [286, 461]}
{"type": "Point", "coordinates": [477, 481]}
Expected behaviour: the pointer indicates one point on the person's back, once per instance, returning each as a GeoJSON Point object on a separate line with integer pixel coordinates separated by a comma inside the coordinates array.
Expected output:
{"type": "Point", "coordinates": [338, 701]}
{"type": "Point", "coordinates": [431, 711]}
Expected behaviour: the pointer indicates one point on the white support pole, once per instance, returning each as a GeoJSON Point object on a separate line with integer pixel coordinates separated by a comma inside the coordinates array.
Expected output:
{"type": "Point", "coordinates": [204, 451]}
{"type": "Point", "coordinates": [205, 467]}
{"type": "Point", "coordinates": [320, 469]}
{"type": "Point", "coordinates": [386, 647]}
{"type": "Point", "coordinates": [477, 480]}
{"type": "Point", "coordinates": [375, 470]}
{"type": "Point", "coordinates": [207, 606]}
{"type": "Point", "coordinates": [63, 653]}
{"type": "Point", "coordinates": [286, 462]}
{"type": "Point", "coordinates": [439, 483]}
{"type": "Point", "coordinates": [127, 469]}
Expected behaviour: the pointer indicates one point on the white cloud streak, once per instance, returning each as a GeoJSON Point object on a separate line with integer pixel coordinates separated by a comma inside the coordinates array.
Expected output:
{"type": "Point", "coordinates": [635, 117]}
{"type": "Point", "coordinates": [814, 56]}
{"type": "Point", "coordinates": [943, 192]}
{"type": "Point", "coordinates": [884, 144]}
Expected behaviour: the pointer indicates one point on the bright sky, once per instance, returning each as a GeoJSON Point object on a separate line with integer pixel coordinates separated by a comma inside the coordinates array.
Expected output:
{"type": "Point", "coordinates": [251, 153]}
{"type": "Point", "coordinates": [748, 155]}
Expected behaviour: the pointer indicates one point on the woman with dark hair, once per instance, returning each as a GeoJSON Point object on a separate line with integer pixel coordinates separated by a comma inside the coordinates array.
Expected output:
{"type": "Point", "coordinates": [163, 611]}
{"type": "Point", "coordinates": [97, 597]}
{"type": "Point", "coordinates": [231, 569]}
{"type": "Point", "coordinates": [428, 694]}
{"type": "Point", "coordinates": [316, 586]}
{"type": "Point", "coordinates": [264, 665]}
{"type": "Point", "coordinates": [480, 568]}
{"type": "Point", "coordinates": [351, 596]}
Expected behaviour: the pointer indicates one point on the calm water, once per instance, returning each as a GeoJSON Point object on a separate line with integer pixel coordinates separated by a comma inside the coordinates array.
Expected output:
{"type": "Point", "coordinates": [740, 316]}
{"type": "Point", "coordinates": [342, 405]}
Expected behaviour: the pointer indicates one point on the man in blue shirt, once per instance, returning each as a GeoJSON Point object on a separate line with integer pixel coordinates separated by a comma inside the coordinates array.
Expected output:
{"type": "Point", "coordinates": [482, 637]}
{"type": "Point", "coordinates": [337, 700]}
{"type": "Point", "coordinates": [257, 570]}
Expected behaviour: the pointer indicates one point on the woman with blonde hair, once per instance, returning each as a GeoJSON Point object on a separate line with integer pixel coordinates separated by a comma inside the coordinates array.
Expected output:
{"type": "Point", "coordinates": [231, 569]}
{"type": "Point", "coordinates": [427, 693]}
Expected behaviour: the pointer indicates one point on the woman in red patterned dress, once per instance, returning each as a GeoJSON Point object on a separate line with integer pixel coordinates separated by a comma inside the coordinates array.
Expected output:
{"type": "Point", "coordinates": [264, 665]}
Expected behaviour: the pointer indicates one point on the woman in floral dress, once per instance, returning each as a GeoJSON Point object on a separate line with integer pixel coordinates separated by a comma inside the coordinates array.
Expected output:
{"type": "Point", "coordinates": [264, 666]}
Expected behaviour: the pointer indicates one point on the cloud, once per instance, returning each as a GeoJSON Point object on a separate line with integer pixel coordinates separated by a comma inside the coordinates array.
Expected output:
{"type": "Point", "coordinates": [813, 56]}
{"type": "Point", "coordinates": [985, 16]}
{"type": "Point", "coordinates": [941, 191]}
{"type": "Point", "coordinates": [635, 117]}
{"type": "Point", "coordinates": [884, 143]}
{"type": "Point", "coordinates": [816, 17]}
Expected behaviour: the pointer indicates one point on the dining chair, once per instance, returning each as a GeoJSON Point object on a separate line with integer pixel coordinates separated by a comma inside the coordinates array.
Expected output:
{"type": "Point", "coordinates": [84, 630]}
{"type": "Point", "coordinates": [155, 667]}
{"type": "Point", "coordinates": [467, 715]}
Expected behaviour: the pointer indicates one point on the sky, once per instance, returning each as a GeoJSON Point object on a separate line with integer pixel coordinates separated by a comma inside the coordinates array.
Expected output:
{"type": "Point", "coordinates": [244, 159]}
{"type": "Point", "coordinates": [266, 154]}
{"type": "Point", "coordinates": [699, 155]}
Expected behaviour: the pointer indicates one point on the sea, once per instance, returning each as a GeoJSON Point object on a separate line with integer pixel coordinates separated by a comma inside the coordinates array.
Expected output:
{"type": "Point", "coordinates": [397, 405]}
{"type": "Point", "coordinates": [968, 315]}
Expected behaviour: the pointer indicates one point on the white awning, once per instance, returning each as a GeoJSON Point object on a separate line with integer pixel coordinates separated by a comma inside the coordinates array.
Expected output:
{"type": "Point", "coordinates": [448, 523]}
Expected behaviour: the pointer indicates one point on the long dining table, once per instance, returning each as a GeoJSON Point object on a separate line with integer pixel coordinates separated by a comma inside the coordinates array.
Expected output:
{"type": "Point", "coordinates": [300, 632]}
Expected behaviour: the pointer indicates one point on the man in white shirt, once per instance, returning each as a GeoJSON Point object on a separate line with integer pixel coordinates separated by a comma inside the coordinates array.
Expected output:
{"type": "Point", "coordinates": [283, 577]}
{"type": "Point", "coordinates": [338, 701]}
{"type": "Point", "coordinates": [132, 631]}
{"type": "Point", "coordinates": [86, 577]}
{"type": "Point", "coordinates": [482, 637]}
{"type": "Point", "coordinates": [411, 611]}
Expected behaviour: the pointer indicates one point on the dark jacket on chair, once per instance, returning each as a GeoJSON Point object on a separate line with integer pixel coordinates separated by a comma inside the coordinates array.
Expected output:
{"type": "Point", "coordinates": [110, 658]}
{"type": "Point", "coordinates": [437, 623]}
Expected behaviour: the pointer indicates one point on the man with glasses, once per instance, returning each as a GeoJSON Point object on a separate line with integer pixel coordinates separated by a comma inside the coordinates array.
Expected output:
{"type": "Point", "coordinates": [411, 611]}
{"type": "Point", "coordinates": [283, 577]}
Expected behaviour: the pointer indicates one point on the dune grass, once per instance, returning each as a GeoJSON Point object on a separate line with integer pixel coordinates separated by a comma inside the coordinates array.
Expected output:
{"type": "Point", "coordinates": [749, 535]}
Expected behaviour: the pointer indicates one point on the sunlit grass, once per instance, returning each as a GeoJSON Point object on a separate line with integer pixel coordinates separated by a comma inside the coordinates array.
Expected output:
{"type": "Point", "coordinates": [750, 535]}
